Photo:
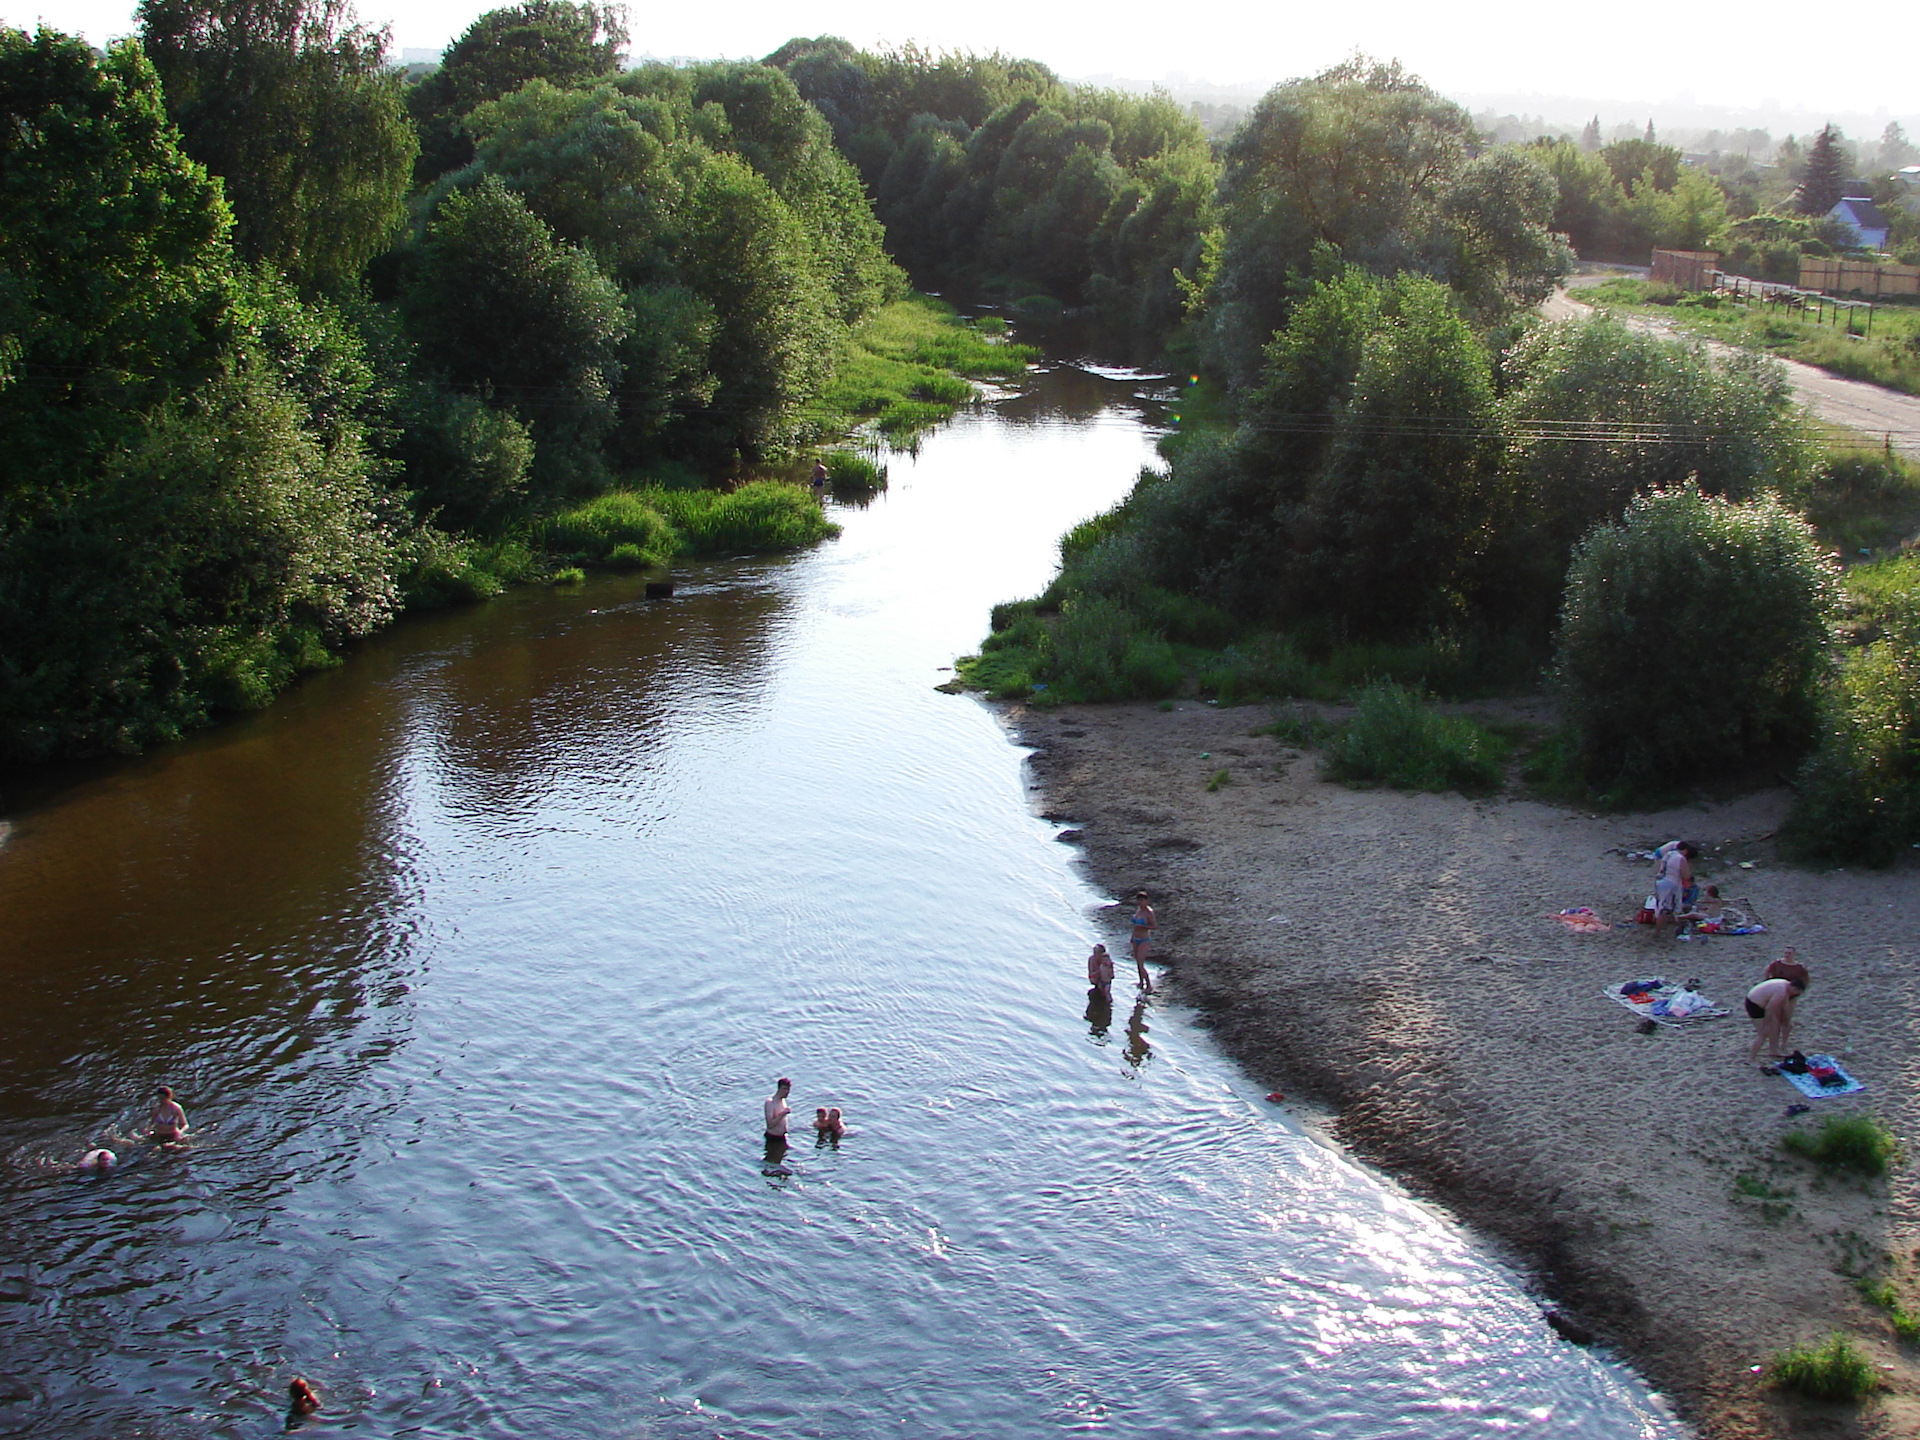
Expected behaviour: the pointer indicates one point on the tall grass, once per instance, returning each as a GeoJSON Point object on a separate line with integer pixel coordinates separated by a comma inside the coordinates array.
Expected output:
{"type": "Point", "coordinates": [651, 527]}
{"type": "Point", "coordinates": [1860, 1143]}
{"type": "Point", "coordinates": [1395, 739]}
{"type": "Point", "coordinates": [625, 520]}
{"type": "Point", "coordinates": [1832, 1370]}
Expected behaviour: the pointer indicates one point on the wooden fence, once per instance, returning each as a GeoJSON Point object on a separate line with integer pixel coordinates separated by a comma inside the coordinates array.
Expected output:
{"type": "Point", "coordinates": [1686, 269]}
{"type": "Point", "coordinates": [1862, 276]}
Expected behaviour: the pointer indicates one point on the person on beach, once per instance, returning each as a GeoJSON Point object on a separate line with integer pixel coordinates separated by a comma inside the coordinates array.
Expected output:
{"type": "Point", "coordinates": [1100, 971]}
{"type": "Point", "coordinates": [1670, 884]}
{"type": "Point", "coordinates": [1788, 967]}
{"type": "Point", "coordinates": [168, 1121]}
{"type": "Point", "coordinates": [1770, 1007]}
{"type": "Point", "coordinates": [777, 1110]}
{"type": "Point", "coordinates": [1143, 922]}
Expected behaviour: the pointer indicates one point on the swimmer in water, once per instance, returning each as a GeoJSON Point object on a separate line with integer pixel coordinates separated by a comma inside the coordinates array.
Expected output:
{"type": "Point", "coordinates": [169, 1121]}
{"type": "Point", "coordinates": [1100, 971]}
{"type": "Point", "coordinates": [300, 1398]}
{"type": "Point", "coordinates": [98, 1162]}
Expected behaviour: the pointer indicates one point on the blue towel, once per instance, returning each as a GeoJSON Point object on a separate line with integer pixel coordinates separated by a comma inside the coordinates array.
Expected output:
{"type": "Point", "coordinates": [1814, 1090]}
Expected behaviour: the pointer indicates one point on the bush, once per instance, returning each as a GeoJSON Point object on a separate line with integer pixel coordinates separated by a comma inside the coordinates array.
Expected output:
{"type": "Point", "coordinates": [1834, 1370]}
{"type": "Point", "coordinates": [1742, 587]}
{"type": "Point", "coordinates": [1858, 797]}
{"type": "Point", "coordinates": [1847, 1142]}
{"type": "Point", "coordinates": [1394, 739]}
{"type": "Point", "coordinates": [1102, 652]}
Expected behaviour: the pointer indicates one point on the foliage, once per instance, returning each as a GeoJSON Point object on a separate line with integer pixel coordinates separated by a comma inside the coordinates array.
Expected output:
{"type": "Point", "coordinates": [1860, 1143]}
{"type": "Point", "coordinates": [1858, 796]}
{"type": "Point", "coordinates": [1824, 181]}
{"type": "Point", "coordinates": [553, 40]}
{"type": "Point", "coordinates": [904, 363]}
{"type": "Point", "coordinates": [1832, 1370]}
{"type": "Point", "coordinates": [292, 104]}
{"type": "Point", "coordinates": [757, 518]}
{"type": "Point", "coordinates": [620, 519]}
{"type": "Point", "coordinates": [1363, 161]}
{"type": "Point", "coordinates": [506, 313]}
{"type": "Point", "coordinates": [1744, 583]}
{"type": "Point", "coordinates": [1394, 739]}
{"type": "Point", "coordinates": [851, 470]}
{"type": "Point", "coordinates": [1630, 198]}
{"type": "Point", "coordinates": [1906, 1324]}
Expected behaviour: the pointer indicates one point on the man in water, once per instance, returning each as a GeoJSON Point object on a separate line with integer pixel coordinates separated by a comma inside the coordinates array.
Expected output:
{"type": "Point", "coordinates": [169, 1120]}
{"type": "Point", "coordinates": [777, 1112]}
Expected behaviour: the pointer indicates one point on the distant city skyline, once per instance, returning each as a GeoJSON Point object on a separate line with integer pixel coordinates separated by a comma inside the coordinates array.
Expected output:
{"type": "Point", "coordinates": [1543, 58]}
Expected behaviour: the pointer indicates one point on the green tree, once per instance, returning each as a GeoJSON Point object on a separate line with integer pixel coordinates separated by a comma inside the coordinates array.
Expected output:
{"type": "Point", "coordinates": [1824, 182]}
{"type": "Point", "coordinates": [1733, 578]}
{"type": "Point", "coordinates": [291, 104]}
{"type": "Point", "coordinates": [507, 313]}
{"type": "Point", "coordinates": [1634, 162]}
{"type": "Point", "coordinates": [553, 40]}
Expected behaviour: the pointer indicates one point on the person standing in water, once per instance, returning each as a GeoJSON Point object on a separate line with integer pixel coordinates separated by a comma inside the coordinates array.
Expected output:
{"type": "Point", "coordinates": [1143, 922]}
{"type": "Point", "coordinates": [168, 1120]}
{"type": "Point", "coordinates": [777, 1111]}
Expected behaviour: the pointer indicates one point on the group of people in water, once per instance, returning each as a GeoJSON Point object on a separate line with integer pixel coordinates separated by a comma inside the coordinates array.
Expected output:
{"type": "Point", "coordinates": [166, 1125]}
{"type": "Point", "coordinates": [829, 1126]}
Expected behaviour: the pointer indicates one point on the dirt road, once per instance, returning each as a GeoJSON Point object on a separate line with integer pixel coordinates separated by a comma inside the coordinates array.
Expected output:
{"type": "Point", "coordinates": [1850, 404]}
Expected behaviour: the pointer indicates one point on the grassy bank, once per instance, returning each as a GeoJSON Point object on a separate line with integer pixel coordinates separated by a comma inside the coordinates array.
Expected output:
{"type": "Point", "coordinates": [1891, 357]}
{"type": "Point", "coordinates": [649, 527]}
{"type": "Point", "coordinates": [909, 366]}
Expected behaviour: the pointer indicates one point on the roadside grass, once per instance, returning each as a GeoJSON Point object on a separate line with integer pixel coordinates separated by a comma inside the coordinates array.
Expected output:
{"type": "Point", "coordinates": [907, 368]}
{"type": "Point", "coordinates": [1859, 1143]}
{"type": "Point", "coordinates": [1860, 500]}
{"type": "Point", "coordinates": [1835, 1369]}
{"type": "Point", "coordinates": [1890, 357]}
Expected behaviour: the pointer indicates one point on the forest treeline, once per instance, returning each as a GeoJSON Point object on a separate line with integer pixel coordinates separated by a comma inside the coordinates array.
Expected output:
{"type": "Point", "coordinates": [290, 340]}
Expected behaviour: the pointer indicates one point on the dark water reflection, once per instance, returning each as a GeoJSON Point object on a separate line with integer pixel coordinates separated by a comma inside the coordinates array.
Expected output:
{"type": "Point", "coordinates": [474, 960]}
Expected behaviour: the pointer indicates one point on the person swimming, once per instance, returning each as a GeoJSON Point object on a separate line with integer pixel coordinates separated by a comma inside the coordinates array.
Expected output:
{"type": "Point", "coordinates": [169, 1121]}
{"type": "Point", "coordinates": [99, 1162]}
{"type": "Point", "coordinates": [301, 1399]}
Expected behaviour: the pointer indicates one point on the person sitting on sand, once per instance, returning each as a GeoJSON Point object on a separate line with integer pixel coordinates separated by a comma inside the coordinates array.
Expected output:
{"type": "Point", "coordinates": [1100, 970]}
{"type": "Point", "coordinates": [169, 1121]}
{"type": "Point", "coordinates": [1770, 1007]}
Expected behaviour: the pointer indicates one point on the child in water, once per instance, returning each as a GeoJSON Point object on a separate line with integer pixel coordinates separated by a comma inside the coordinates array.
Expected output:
{"type": "Point", "coordinates": [829, 1123]}
{"type": "Point", "coordinates": [1100, 970]}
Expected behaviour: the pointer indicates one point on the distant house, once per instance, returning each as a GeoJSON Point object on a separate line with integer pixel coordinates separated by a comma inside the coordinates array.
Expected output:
{"type": "Point", "coordinates": [1863, 218]}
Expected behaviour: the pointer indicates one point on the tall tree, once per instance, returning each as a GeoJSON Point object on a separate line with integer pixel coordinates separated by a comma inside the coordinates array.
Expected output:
{"type": "Point", "coordinates": [291, 103]}
{"type": "Point", "coordinates": [1590, 135]}
{"type": "Point", "coordinates": [1825, 179]}
{"type": "Point", "coordinates": [552, 40]}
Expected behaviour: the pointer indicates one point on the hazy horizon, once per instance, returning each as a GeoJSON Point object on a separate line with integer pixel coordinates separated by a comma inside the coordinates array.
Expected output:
{"type": "Point", "coordinates": [1505, 56]}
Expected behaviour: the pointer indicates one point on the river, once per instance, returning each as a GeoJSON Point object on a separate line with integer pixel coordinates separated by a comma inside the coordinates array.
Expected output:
{"type": "Point", "coordinates": [473, 961]}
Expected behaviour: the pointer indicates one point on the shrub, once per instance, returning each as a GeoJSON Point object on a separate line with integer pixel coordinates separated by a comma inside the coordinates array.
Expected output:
{"type": "Point", "coordinates": [572, 575]}
{"type": "Point", "coordinates": [1269, 666]}
{"type": "Point", "coordinates": [1858, 797]}
{"type": "Point", "coordinates": [1394, 739]}
{"type": "Point", "coordinates": [1741, 586]}
{"type": "Point", "coordinates": [1847, 1142]}
{"type": "Point", "coordinates": [1101, 650]}
{"type": "Point", "coordinates": [1833, 1370]}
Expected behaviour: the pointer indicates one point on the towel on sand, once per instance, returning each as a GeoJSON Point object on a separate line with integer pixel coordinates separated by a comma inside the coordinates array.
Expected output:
{"type": "Point", "coordinates": [1814, 1090]}
{"type": "Point", "coordinates": [1656, 1002]}
{"type": "Point", "coordinates": [1582, 921]}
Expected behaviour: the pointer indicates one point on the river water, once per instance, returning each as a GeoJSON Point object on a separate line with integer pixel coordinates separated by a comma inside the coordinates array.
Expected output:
{"type": "Point", "coordinates": [473, 962]}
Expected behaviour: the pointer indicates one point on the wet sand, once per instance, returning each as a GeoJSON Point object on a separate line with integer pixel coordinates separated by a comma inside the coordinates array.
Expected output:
{"type": "Point", "coordinates": [1389, 960]}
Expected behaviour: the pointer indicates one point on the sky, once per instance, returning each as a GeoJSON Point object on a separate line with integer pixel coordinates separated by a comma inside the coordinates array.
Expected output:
{"type": "Point", "coordinates": [1763, 60]}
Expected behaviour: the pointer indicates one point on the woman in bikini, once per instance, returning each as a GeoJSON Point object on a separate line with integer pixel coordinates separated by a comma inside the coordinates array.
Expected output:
{"type": "Point", "coordinates": [169, 1121]}
{"type": "Point", "coordinates": [1143, 922]}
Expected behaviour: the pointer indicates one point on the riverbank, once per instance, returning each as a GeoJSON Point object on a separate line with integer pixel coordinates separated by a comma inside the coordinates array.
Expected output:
{"type": "Point", "coordinates": [1391, 957]}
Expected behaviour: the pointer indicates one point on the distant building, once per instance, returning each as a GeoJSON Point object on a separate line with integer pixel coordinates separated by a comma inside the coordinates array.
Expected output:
{"type": "Point", "coordinates": [1860, 215]}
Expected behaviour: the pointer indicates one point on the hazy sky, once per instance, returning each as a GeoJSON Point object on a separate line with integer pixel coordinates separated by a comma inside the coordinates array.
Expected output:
{"type": "Point", "coordinates": [1638, 53]}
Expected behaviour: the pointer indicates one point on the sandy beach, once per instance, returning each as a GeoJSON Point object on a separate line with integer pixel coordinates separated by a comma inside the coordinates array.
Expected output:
{"type": "Point", "coordinates": [1390, 960]}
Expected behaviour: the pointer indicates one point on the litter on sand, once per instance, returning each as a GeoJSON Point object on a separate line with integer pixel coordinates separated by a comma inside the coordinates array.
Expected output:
{"type": "Point", "coordinates": [1823, 1068]}
{"type": "Point", "coordinates": [1664, 1003]}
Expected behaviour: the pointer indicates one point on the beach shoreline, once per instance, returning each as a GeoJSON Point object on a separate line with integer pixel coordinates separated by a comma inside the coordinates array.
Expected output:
{"type": "Point", "coordinates": [1392, 957]}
